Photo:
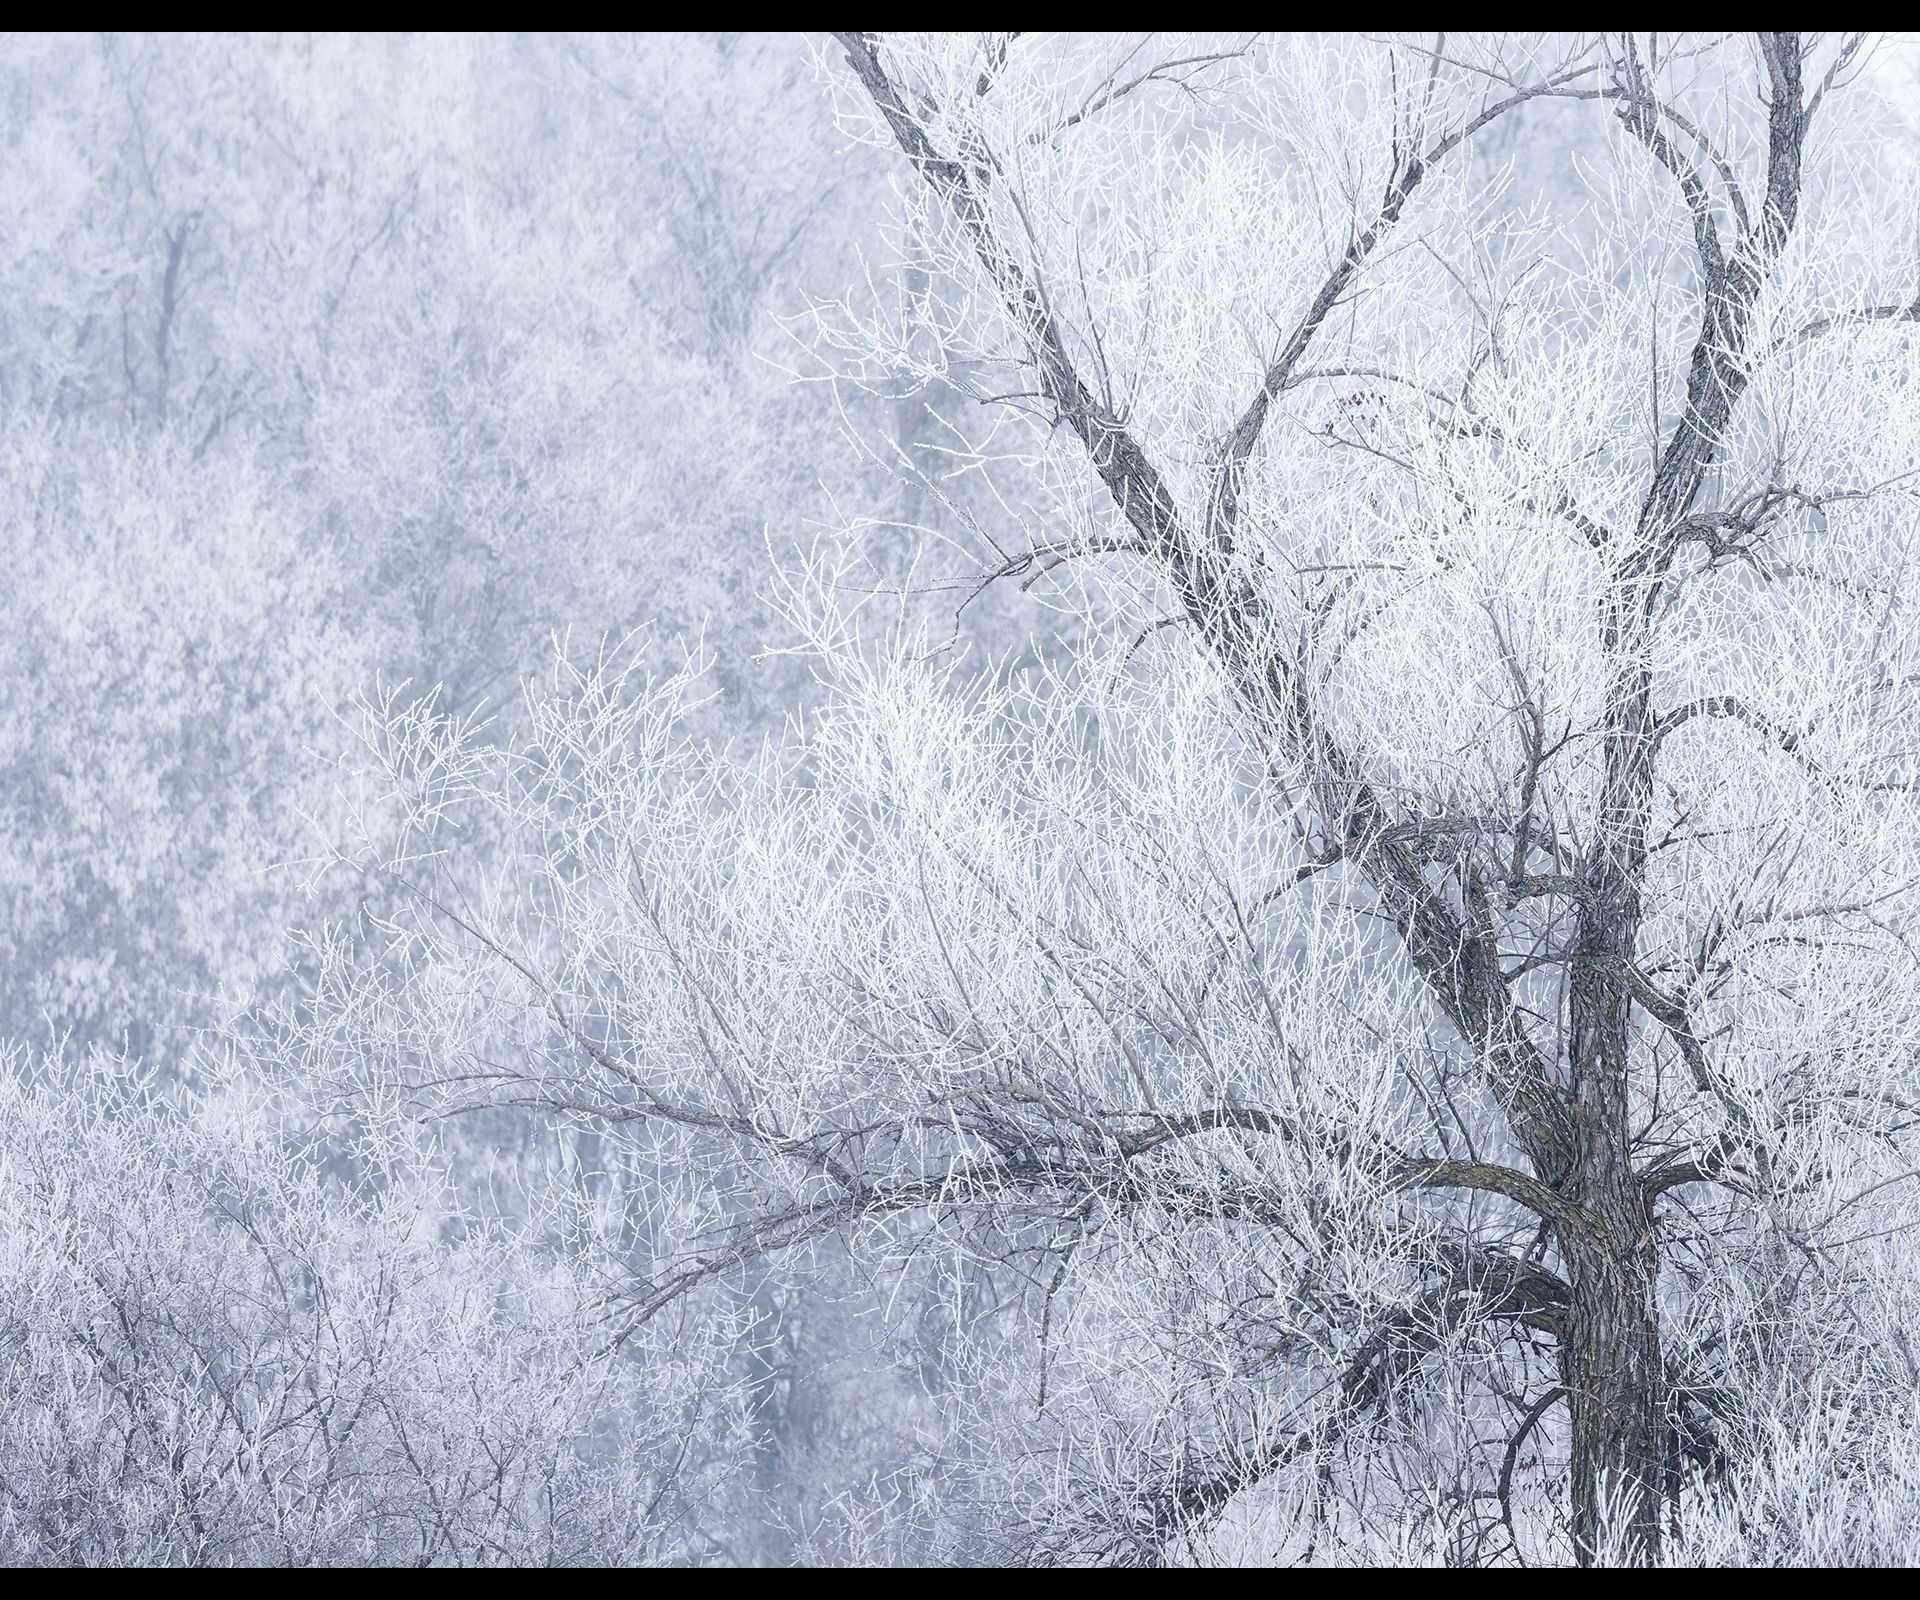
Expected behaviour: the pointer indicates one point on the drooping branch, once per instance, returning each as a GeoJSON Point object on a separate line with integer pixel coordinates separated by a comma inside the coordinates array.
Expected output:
{"type": "Point", "coordinates": [1510, 1460]}
{"type": "Point", "coordinates": [1119, 1180]}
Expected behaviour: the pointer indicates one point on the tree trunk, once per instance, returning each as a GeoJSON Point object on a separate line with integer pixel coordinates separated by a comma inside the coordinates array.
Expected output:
{"type": "Point", "coordinates": [1610, 1365]}
{"type": "Point", "coordinates": [1610, 1360]}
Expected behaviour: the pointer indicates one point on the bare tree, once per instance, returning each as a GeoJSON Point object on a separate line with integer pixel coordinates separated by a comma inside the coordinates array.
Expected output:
{"type": "Point", "coordinates": [1414, 1005]}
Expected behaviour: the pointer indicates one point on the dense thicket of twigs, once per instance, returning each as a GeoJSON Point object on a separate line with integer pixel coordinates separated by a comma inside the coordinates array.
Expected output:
{"type": "Point", "coordinates": [1252, 899]}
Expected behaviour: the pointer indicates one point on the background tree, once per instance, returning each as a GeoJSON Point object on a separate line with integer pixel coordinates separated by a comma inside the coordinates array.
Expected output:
{"type": "Point", "coordinates": [333, 361]}
{"type": "Point", "coordinates": [337, 358]}
{"type": "Point", "coordinates": [215, 1355]}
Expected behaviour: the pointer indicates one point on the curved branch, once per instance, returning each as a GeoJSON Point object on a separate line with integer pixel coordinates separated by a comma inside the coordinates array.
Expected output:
{"type": "Point", "coordinates": [1528, 1423]}
{"type": "Point", "coordinates": [1734, 708]}
{"type": "Point", "coordinates": [1488, 1177]}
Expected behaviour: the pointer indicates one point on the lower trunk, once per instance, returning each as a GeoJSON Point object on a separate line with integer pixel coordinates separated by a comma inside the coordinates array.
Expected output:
{"type": "Point", "coordinates": [1611, 1368]}
{"type": "Point", "coordinates": [1610, 1362]}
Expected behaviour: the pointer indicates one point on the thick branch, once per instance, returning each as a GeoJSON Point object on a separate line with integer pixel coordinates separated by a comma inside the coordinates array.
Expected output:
{"type": "Point", "coordinates": [1489, 1178]}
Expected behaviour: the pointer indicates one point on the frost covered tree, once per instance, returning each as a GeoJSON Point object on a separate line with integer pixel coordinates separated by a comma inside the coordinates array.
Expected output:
{"type": "Point", "coordinates": [1409, 1014]}
{"type": "Point", "coordinates": [1611, 526]}
{"type": "Point", "coordinates": [1382, 1028]}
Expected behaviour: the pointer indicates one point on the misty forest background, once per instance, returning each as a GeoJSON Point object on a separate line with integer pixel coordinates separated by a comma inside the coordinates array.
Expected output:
{"type": "Point", "coordinates": [347, 379]}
